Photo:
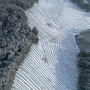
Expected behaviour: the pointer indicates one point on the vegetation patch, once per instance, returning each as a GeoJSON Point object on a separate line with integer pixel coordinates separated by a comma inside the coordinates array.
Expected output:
{"type": "Point", "coordinates": [84, 71]}
{"type": "Point", "coordinates": [22, 3]}
{"type": "Point", "coordinates": [83, 4]}
{"type": "Point", "coordinates": [16, 39]}
{"type": "Point", "coordinates": [83, 41]}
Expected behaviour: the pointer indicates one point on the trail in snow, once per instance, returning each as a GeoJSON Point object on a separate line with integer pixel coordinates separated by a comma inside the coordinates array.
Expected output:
{"type": "Point", "coordinates": [52, 64]}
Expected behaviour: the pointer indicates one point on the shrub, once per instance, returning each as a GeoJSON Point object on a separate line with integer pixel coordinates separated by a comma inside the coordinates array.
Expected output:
{"type": "Point", "coordinates": [82, 4]}
{"type": "Point", "coordinates": [35, 31]}
{"type": "Point", "coordinates": [22, 3]}
{"type": "Point", "coordinates": [35, 40]}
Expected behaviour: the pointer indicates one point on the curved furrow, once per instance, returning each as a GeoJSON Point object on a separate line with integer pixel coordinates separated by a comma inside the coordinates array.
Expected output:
{"type": "Point", "coordinates": [59, 73]}
{"type": "Point", "coordinates": [26, 81]}
{"type": "Point", "coordinates": [35, 65]}
{"type": "Point", "coordinates": [39, 71]}
{"type": "Point", "coordinates": [21, 83]}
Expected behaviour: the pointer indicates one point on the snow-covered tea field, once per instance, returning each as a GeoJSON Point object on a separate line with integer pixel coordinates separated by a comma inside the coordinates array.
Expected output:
{"type": "Point", "coordinates": [52, 63]}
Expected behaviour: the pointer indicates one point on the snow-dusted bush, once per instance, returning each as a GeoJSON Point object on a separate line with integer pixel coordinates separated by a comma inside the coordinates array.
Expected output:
{"type": "Point", "coordinates": [22, 3]}
{"type": "Point", "coordinates": [35, 40]}
{"type": "Point", "coordinates": [83, 4]}
{"type": "Point", "coordinates": [35, 31]}
{"type": "Point", "coordinates": [84, 71]}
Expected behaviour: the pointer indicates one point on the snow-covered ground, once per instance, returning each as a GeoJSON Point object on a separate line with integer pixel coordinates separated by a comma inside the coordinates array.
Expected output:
{"type": "Point", "coordinates": [52, 63]}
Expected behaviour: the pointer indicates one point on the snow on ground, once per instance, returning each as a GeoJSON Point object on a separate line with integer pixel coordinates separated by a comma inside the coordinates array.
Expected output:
{"type": "Point", "coordinates": [52, 64]}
